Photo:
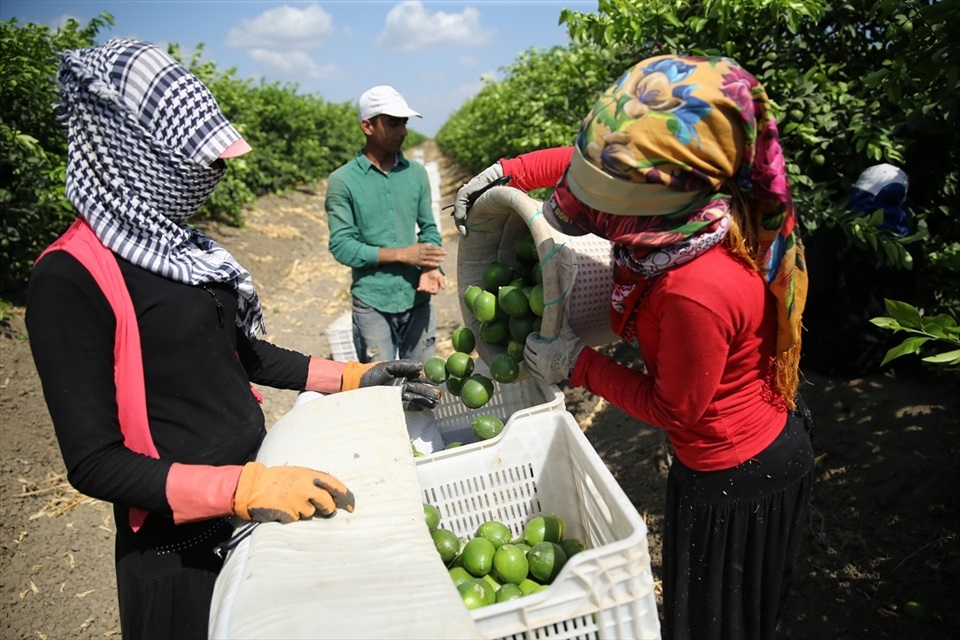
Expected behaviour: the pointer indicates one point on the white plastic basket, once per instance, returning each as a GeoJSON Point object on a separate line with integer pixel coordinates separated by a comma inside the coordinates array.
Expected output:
{"type": "Point", "coordinates": [508, 403]}
{"type": "Point", "coordinates": [544, 464]}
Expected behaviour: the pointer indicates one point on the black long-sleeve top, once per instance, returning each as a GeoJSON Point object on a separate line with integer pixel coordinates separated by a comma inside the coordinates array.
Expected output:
{"type": "Point", "coordinates": [197, 364]}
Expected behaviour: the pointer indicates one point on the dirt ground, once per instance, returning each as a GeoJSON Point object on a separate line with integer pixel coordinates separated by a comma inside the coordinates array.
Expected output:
{"type": "Point", "coordinates": [883, 528]}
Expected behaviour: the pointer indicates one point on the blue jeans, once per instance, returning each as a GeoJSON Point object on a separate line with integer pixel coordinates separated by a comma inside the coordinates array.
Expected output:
{"type": "Point", "coordinates": [388, 336]}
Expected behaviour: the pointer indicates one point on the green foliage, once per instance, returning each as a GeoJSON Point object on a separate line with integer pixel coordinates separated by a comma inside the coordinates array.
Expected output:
{"type": "Point", "coordinates": [33, 207]}
{"type": "Point", "coordinates": [413, 139]}
{"type": "Point", "coordinates": [854, 83]}
{"type": "Point", "coordinates": [538, 104]}
{"type": "Point", "coordinates": [940, 329]}
{"type": "Point", "coordinates": [296, 139]}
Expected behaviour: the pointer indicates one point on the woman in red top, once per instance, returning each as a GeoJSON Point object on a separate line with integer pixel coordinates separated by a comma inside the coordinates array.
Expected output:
{"type": "Point", "coordinates": [679, 166]}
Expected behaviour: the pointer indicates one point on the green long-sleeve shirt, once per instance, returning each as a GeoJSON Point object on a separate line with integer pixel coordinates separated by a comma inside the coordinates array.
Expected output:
{"type": "Point", "coordinates": [368, 209]}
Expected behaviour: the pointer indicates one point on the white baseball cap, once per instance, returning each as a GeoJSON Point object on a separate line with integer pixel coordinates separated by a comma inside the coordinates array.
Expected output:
{"type": "Point", "coordinates": [384, 99]}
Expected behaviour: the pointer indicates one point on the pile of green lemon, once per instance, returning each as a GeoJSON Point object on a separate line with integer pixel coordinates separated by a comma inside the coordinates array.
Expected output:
{"type": "Point", "coordinates": [457, 371]}
{"type": "Point", "coordinates": [508, 304]}
{"type": "Point", "coordinates": [492, 566]}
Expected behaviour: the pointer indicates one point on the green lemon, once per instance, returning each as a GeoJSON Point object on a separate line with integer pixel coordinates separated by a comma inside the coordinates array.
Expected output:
{"type": "Point", "coordinates": [571, 547]}
{"type": "Point", "coordinates": [432, 515]}
{"type": "Point", "coordinates": [515, 349]}
{"type": "Point", "coordinates": [546, 560]}
{"type": "Point", "coordinates": [477, 593]}
{"type": "Point", "coordinates": [496, 331]}
{"type": "Point", "coordinates": [459, 575]}
{"type": "Point", "coordinates": [435, 369]}
{"type": "Point", "coordinates": [529, 586]}
{"type": "Point", "coordinates": [526, 249]}
{"type": "Point", "coordinates": [486, 426]}
{"type": "Point", "coordinates": [496, 532]}
{"type": "Point", "coordinates": [446, 542]}
{"type": "Point", "coordinates": [510, 564]}
{"type": "Point", "coordinates": [496, 275]}
{"type": "Point", "coordinates": [508, 592]}
{"type": "Point", "coordinates": [504, 369]}
{"type": "Point", "coordinates": [478, 556]}
{"type": "Point", "coordinates": [520, 328]}
{"type": "Point", "coordinates": [453, 445]}
{"type": "Point", "coordinates": [485, 307]}
{"type": "Point", "coordinates": [536, 299]}
{"type": "Point", "coordinates": [459, 364]}
{"type": "Point", "coordinates": [916, 610]}
{"type": "Point", "coordinates": [476, 391]}
{"type": "Point", "coordinates": [463, 340]}
{"type": "Point", "coordinates": [513, 301]}
{"type": "Point", "coordinates": [524, 273]}
{"type": "Point", "coordinates": [493, 582]}
{"type": "Point", "coordinates": [469, 295]}
{"type": "Point", "coordinates": [545, 528]}
{"type": "Point", "coordinates": [454, 385]}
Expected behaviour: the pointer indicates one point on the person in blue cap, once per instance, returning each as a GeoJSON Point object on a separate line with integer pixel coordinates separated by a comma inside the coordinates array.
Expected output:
{"type": "Point", "coordinates": [848, 283]}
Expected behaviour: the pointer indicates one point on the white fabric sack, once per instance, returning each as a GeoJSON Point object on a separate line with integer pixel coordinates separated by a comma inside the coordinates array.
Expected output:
{"type": "Point", "coordinates": [374, 573]}
{"type": "Point", "coordinates": [577, 270]}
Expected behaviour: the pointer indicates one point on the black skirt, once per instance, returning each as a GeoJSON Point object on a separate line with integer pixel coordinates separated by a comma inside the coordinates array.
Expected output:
{"type": "Point", "coordinates": [731, 539]}
{"type": "Point", "coordinates": [165, 576]}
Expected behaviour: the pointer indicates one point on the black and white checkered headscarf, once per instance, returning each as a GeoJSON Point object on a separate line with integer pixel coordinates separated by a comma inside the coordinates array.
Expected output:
{"type": "Point", "coordinates": [143, 135]}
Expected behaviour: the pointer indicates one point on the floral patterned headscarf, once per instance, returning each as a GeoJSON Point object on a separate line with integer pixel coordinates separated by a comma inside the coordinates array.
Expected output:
{"type": "Point", "coordinates": [691, 125]}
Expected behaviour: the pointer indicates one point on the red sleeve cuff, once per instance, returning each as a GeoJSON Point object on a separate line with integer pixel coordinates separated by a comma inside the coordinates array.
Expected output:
{"type": "Point", "coordinates": [537, 169]}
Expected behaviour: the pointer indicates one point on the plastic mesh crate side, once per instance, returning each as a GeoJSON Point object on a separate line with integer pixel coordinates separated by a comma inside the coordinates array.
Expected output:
{"type": "Point", "coordinates": [508, 495]}
{"type": "Point", "coordinates": [340, 337]}
{"type": "Point", "coordinates": [545, 465]}
{"type": "Point", "coordinates": [610, 593]}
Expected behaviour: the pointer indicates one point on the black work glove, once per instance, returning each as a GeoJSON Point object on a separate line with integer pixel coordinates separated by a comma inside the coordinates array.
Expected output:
{"type": "Point", "coordinates": [416, 391]}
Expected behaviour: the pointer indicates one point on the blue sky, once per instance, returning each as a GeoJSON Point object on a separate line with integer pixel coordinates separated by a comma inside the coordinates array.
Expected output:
{"type": "Point", "coordinates": [435, 53]}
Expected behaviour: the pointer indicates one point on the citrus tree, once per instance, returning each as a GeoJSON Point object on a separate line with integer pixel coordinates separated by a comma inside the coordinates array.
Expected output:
{"type": "Point", "coordinates": [854, 83]}
{"type": "Point", "coordinates": [33, 146]}
{"type": "Point", "coordinates": [538, 104]}
{"type": "Point", "coordinates": [935, 338]}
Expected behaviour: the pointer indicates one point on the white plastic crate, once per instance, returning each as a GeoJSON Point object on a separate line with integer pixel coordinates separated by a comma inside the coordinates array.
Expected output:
{"type": "Point", "coordinates": [509, 402]}
{"type": "Point", "coordinates": [340, 337]}
{"type": "Point", "coordinates": [544, 464]}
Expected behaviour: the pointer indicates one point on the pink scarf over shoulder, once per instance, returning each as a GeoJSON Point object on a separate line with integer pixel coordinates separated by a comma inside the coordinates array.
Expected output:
{"type": "Point", "coordinates": [81, 242]}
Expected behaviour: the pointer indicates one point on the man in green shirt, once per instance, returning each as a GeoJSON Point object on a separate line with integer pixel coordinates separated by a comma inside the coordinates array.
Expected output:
{"type": "Point", "coordinates": [382, 226]}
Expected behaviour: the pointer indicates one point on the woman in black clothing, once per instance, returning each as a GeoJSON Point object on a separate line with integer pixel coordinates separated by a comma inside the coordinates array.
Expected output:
{"type": "Point", "coordinates": [144, 332]}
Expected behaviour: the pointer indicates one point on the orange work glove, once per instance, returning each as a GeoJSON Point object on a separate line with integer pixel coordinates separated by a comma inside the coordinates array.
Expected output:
{"type": "Point", "coordinates": [285, 494]}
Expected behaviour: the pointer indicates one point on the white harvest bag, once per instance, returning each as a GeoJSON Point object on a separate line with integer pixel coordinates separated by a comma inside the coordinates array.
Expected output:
{"type": "Point", "coordinates": [374, 573]}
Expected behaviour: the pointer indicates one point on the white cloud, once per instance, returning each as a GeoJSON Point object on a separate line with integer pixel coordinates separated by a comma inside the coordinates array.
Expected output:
{"type": "Point", "coordinates": [294, 63]}
{"type": "Point", "coordinates": [283, 28]}
{"type": "Point", "coordinates": [468, 61]}
{"type": "Point", "coordinates": [410, 27]}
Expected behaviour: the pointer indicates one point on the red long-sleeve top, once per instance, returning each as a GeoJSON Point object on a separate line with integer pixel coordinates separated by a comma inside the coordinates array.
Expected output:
{"type": "Point", "coordinates": [707, 332]}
